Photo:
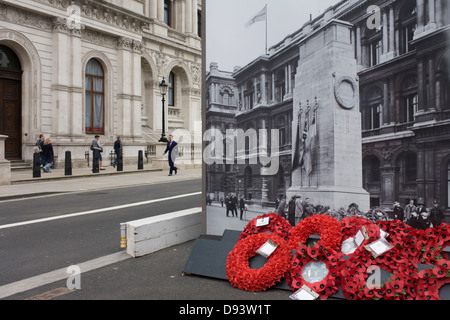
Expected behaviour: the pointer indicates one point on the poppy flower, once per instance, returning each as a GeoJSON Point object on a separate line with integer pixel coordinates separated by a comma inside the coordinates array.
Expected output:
{"type": "Point", "coordinates": [439, 272]}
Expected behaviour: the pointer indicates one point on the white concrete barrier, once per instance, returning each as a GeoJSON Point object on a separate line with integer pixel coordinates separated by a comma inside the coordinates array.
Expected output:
{"type": "Point", "coordinates": [148, 235]}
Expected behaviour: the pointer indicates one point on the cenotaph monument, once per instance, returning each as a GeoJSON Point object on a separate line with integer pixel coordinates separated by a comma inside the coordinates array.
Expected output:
{"type": "Point", "coordinates": [326, 130]}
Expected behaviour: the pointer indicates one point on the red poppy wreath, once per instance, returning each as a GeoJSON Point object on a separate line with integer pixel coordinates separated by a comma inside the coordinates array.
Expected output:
{"type": "Point", "coordinates": [431, 280]}
{"type": "Point", "coordinates": [277, 225]}
{"type": "Point", "coordinates": [242, 276]}
{"type": "Point", "coordinates": [324, 225]}
{"type": "Point", "coordinates": [359, 283]}
{"type": "Point", "coordinates": [323, 278]}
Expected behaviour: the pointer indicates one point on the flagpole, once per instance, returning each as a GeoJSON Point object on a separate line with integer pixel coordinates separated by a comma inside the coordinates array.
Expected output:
{"type": "Point", "coordinates": [266, 28]}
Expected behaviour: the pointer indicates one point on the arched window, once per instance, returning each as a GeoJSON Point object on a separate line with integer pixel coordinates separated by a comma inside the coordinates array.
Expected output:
{"type": "Point", "coordinates": [8, 59]}
{"type": "Point", "coordinates": [407, 165]}
{"type": "Point", "coordinates": [371, 170]}
{"type": "Point", "coordinates": [94, 98]}
{"type": "Point", "coordinates": [171, 91]}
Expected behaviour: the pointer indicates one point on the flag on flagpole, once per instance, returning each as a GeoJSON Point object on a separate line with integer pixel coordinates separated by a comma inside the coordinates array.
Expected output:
{"type": "Point", "coordinates": [260, 16]}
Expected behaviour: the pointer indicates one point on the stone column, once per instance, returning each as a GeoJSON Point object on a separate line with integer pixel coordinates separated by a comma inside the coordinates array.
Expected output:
{"type": "Point", "coordinates": [153, 9]}
{"type": "Point", "coordinates": [188, 15]}
{"type": "Point", "coordinates": [194, 17]}
{"type": "Point", "coordinates": [385, 110]}
{"type": "Point", "coordinates": [5, 165]}
{"type": "Point", "coordinates": [136, 90]}
{"type": "Point", "coordinates": [420, 17]}
{"type": "Point", "coordinates": [391, 31]}
{"type": "Point", "coordinates": [263, 88]}
{"type": "Point", "coordinates": [61, 79]}
{"type": "Point", "coordinates": [77, 91]}
{"type": "Point", "coordinates": [124, 86]}
{"type": "Point", "coordinates": [432, 85]}
{"type": "Point", "coordinates": [439, 13]}
{"type": "Point", "coordinates": [358, 45]}
{"type": "Point", "coordinates": [421, 85]}
{"type": "Point", "coordinates": [160, 10]}
{"type": "Point", "coordinates": [387, 186]}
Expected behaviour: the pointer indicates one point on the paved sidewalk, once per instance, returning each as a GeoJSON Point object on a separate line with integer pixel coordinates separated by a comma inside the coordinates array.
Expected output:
{"type": "Point", "coordinates": [82, 179]}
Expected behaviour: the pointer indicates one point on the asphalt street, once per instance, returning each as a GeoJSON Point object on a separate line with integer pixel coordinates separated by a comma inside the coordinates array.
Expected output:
{"type": "Point", "coordinates": [32, 249]}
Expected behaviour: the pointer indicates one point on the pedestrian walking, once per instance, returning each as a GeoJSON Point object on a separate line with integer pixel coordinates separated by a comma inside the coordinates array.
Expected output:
{"type": "Point", "coordinates": [96, 145]}
{"type": "Point", "coordinates": [118, 149]}
{"type": "Point", "coordinates": [47, 151]}
{"type": "Point", "coordinates": [172, 148]}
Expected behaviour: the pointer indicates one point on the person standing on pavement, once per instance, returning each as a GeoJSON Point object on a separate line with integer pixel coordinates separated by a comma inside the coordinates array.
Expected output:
{"type": "Point", "coordinates": [298, 209]}
{"type": "Point", "coordinates": [118, 148]}
{"type": "Point", "coordinates": [234, 204]}
{"type": "Point", "coordinates": [172, 148]}
{"type": "Point", "coordinates": [242, 206]}
{"type": "Point", "coordinates": [47, 151]}
{"type": "Point", "coordinates": [281, 207]}
{"type": "Point", "coordinates": [38, 148]}
{"type": "Point", "coordinates": [96, 145]}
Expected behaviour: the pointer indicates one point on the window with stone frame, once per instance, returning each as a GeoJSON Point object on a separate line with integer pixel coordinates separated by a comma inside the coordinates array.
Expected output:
{"type": "Point", "coordinates": [408, 25]}
{"type": "Point", "coordinates": [372, 108]}
{"type": "Point", "coordinates": [372, 41]}
{"type": "Point", "coordinates": [280, 86]}
{"type": "Point", "coordinates": [409, 99]}
{"type": "Point", "coordinates": [94, 97]}
{"type": "Point", "coordinates": [167, 12]}
{"type": "Point", "coordinates": [171, 90]}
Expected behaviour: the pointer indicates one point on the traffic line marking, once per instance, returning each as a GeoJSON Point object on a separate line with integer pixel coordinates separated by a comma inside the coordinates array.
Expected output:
{"type": "Point", "coordinates": [70, 215]}
{"type": "Point", "coordinates": [60, 274]}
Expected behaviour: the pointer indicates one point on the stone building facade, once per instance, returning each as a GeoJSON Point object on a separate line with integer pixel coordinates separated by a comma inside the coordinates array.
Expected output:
{"type": "Point", "coordinates": [402, 53]}
{"type": "Point", "coordinates": [73, 69]}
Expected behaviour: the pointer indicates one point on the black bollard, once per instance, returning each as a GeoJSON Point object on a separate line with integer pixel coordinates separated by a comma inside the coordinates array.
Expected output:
{"type": "Point", "coordinates": [140, 160]}
{"type": "Point", "coordinates": [120, 161]}
{"type": "Point", "coordinates": [68, 164]}
{"type": "Point", "coordinates": [95, 164]}
{"type": "Point", "coordinates": [36, 165]}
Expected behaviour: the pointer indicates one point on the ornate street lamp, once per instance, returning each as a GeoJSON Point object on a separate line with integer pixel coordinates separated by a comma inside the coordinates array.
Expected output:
{"type": "Point", "coordinates": [163, 88]}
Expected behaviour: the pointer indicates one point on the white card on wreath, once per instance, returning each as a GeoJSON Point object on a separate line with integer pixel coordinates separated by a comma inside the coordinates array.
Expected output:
{"type": "Point", "coordinates": [267, 248]}
{"type": "Point", "coordinates": [262, 221]}
{"type": "Point", "coordinates": [359, 238]}
{"type": "Point", "coordinates": [304, 293]}
{"type": "Point", "coordinates": [379, 247]}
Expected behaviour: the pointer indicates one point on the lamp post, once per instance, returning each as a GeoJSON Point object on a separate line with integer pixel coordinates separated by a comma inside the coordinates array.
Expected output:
{"type": "Point", "coordinates": [163, 88]}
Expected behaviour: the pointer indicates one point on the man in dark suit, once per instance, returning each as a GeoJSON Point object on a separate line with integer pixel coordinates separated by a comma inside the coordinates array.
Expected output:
{"type": "Point", "coordinates": [173, 152]}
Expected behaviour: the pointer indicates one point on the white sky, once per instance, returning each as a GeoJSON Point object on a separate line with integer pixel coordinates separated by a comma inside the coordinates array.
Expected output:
{"type": "Point", "coordinates": [230, 43]}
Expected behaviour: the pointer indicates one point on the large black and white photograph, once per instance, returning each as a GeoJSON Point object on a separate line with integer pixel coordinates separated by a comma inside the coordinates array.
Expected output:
{"type": "Point", "coordinates": [328, 125]}
{"type": "Point", "coordinates": [330, 106]}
